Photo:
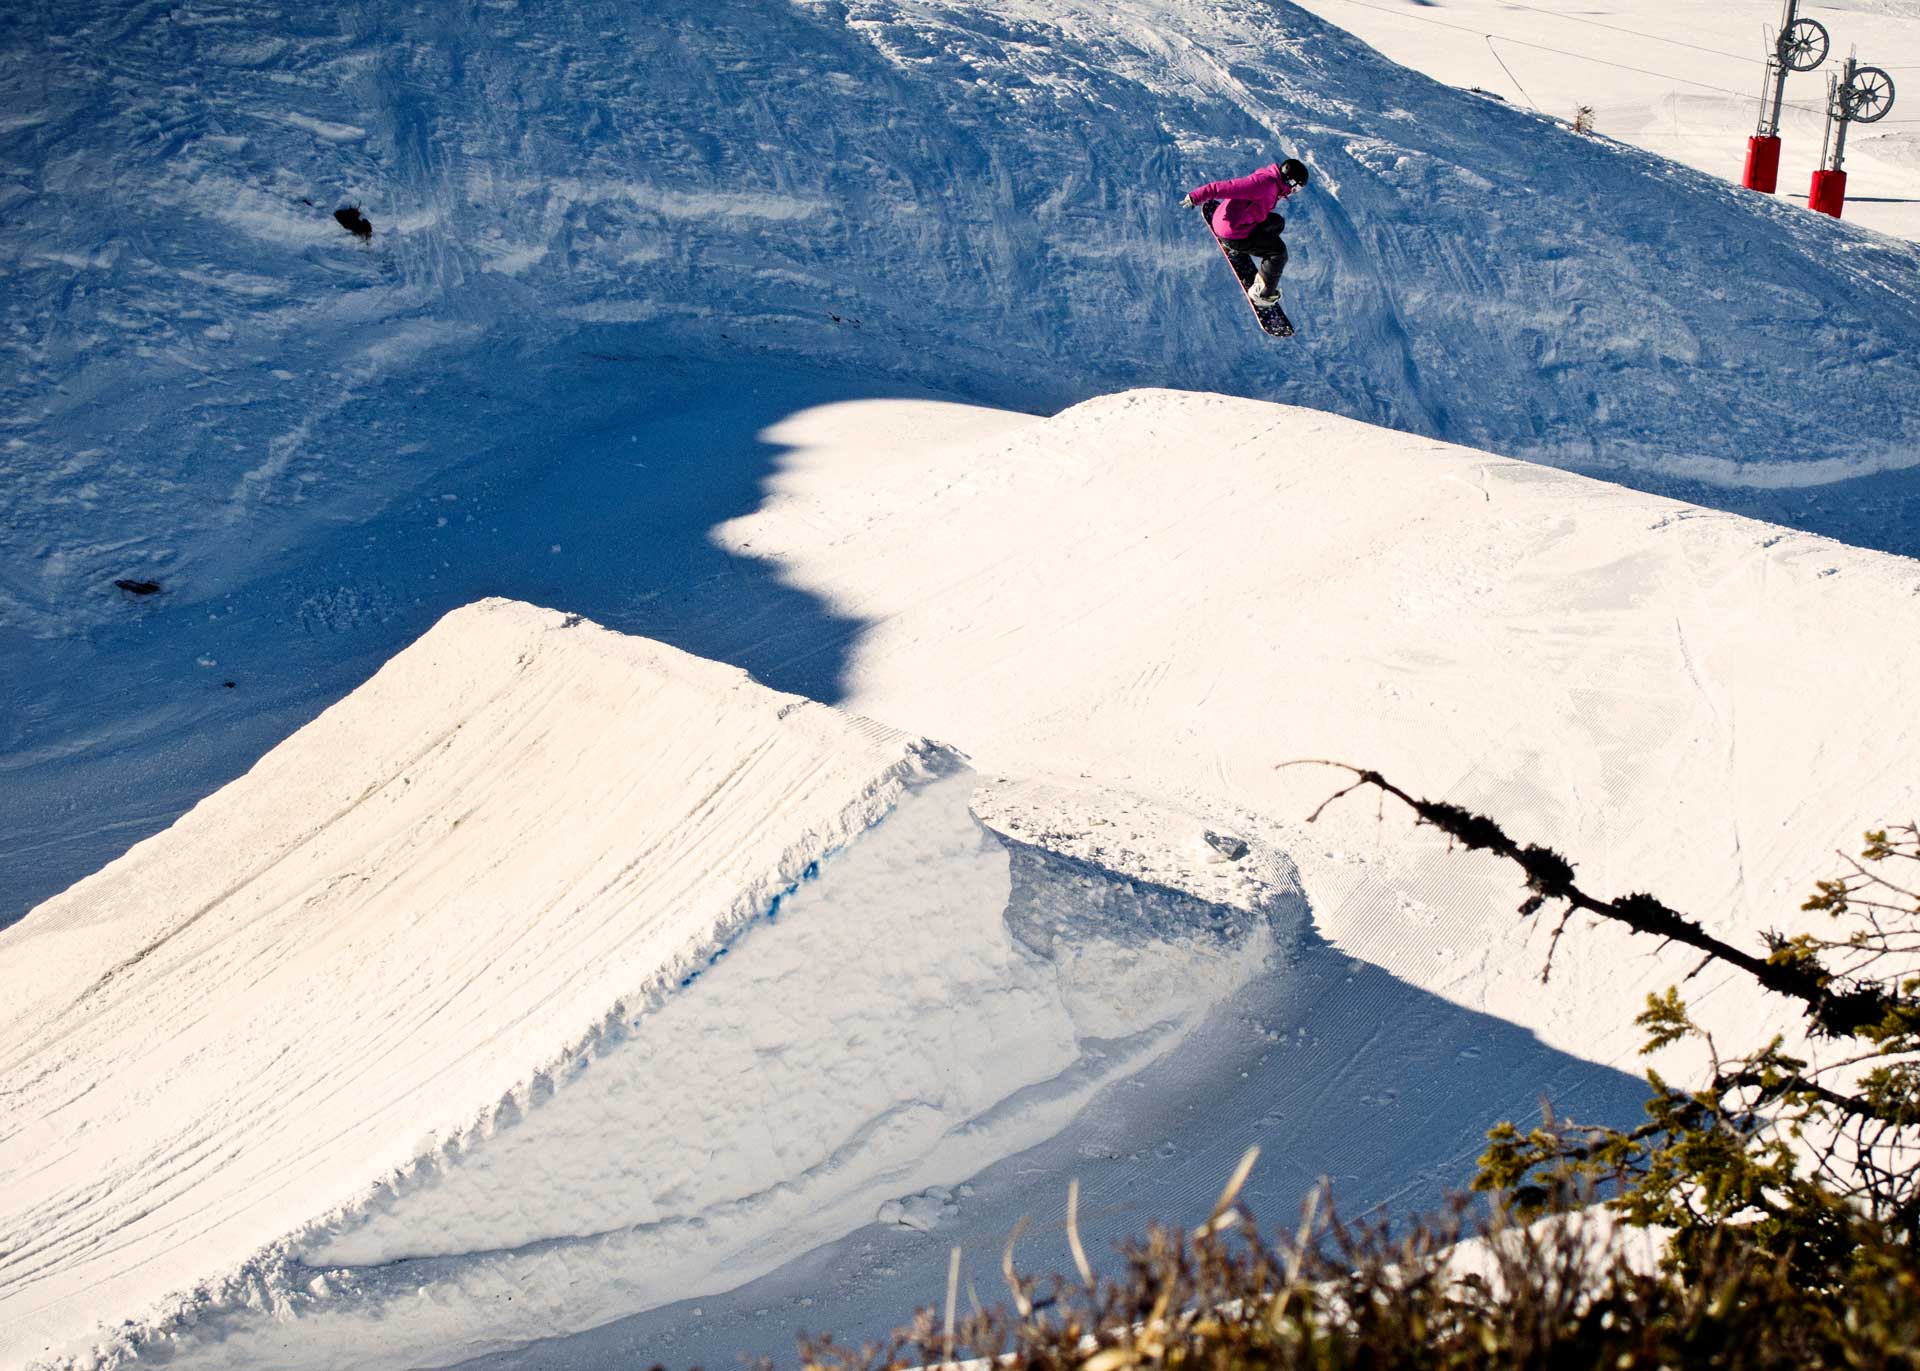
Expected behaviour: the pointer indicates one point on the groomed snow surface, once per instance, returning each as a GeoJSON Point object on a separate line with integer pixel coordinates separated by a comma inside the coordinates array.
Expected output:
{"type": "Point", "coordinates": [1681, 78]}
{"type": "Point", "coordinates": [1167, 595]}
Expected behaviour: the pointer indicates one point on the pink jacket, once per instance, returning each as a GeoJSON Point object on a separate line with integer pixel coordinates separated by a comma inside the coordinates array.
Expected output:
{"type": "Point", "coordinates": [1244, 201]}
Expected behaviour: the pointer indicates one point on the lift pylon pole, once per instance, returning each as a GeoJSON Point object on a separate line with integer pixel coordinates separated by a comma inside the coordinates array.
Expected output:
{"type": "Point", "coordinates": [1859, 95]}
{"type": "Point", "coordinates": [1800, 45]}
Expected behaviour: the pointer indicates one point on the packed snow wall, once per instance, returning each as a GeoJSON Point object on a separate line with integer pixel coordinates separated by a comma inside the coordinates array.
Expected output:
{"type": "Point", "coordinates": [550, 977]}
{"type": "Point", "coordinates": [981, 197]}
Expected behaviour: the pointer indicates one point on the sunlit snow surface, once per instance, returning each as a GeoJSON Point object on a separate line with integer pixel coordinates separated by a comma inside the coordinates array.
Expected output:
{"type": "Point", "coordinates": [1681, 78]}
{"type": "Point", "coordinates": [617, 249]}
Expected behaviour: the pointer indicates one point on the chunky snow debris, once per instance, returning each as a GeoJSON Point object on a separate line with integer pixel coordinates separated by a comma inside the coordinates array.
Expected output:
{"type": "Point", "coordinates": [550, 963]}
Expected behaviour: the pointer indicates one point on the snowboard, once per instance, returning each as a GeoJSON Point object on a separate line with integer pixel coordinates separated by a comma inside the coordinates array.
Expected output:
{"type": "Point", "coordinates": [1271, 318]}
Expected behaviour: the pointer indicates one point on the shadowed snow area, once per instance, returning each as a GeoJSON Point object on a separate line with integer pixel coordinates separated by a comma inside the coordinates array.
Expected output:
{"type": "Point", "coordinates": [595, 492]}
{"type": "Point", "coordinates": [364, 1023]}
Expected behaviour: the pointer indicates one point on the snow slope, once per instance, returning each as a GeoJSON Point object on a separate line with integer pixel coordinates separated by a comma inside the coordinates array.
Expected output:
{"type": "Point", "coordinates": [363, 1025]}
{"type": "Point", "coordinates": [1125, 601]}
{"type": "Point", "coordinates": [612, 245]}
{"type": "Point", "coordinates": [202, 364]}
{"type": "Point", "coordinates": [1681, 700]}
{"type": "Point", "coordinates": [614, 249]}
{"type": "Point", "coordinates": [1126, 643]}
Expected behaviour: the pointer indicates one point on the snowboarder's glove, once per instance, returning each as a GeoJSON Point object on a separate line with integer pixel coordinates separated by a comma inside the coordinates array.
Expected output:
{"type": "Point", "coordinates": [1186, 202]}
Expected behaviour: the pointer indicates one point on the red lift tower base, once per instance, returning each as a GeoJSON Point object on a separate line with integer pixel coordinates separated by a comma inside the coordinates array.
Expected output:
{"type": "Point", "coordinates": [1763, 164]}
{"type": "Point", "coordinates": [1828, 193]}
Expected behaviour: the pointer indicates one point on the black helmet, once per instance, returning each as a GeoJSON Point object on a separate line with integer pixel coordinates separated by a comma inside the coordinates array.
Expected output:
{"type": "Point", "coordinates": [1295, 171]}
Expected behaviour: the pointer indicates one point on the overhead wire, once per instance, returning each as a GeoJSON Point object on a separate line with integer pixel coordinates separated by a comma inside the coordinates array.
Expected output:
{"type": "Point", "coordinates": [1601, 61]}
{"type": "Point", "coordinates": [1655, 37]}
{"type": "Point", "coordinates": [1510, 76]}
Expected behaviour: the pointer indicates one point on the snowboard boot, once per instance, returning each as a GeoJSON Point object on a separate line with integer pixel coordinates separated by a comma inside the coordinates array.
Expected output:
{"type": "Point", "coordinates": [1263, 292]}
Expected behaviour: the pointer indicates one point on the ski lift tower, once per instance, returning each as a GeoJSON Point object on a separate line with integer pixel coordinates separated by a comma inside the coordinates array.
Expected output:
{"type": "Point", "coordinates": [1858, 95]}
{"type": "Point", "coordinates": [1801, 45]}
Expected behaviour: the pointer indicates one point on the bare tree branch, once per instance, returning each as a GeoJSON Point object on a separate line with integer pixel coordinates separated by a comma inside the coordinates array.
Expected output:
{"type": "Point", "coordinates": [1834, 1011]}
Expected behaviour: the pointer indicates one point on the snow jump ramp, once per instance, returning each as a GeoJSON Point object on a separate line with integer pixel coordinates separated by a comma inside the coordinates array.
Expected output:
{"type": "Point", "coordinates": [551, 976]}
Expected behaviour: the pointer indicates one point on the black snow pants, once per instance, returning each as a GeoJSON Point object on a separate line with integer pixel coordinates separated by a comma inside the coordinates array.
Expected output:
{"type": "Point", "coordinates": [1263, 243]}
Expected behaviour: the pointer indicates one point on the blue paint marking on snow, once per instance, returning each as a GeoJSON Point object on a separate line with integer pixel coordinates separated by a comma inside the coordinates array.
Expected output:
{"type": "Point", "coordinates": [808, 874]}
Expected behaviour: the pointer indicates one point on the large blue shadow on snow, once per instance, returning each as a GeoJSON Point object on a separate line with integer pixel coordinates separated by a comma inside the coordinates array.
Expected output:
{"type": "Point", "coordinates": [595, 469]}
{"type": "Point", "coordinates": [1335, 1068]}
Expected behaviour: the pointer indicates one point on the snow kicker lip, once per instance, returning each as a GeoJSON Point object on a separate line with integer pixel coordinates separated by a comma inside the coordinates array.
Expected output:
{"type": "Point", "coordinates": [828, 982]}
{"type": "Point", "coordinates": [410, 915]}
{"type": "Point", "coordinates": [966, 995]}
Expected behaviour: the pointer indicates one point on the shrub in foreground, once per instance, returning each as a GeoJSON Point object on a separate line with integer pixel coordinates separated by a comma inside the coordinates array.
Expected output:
{"type": "Point", "coordinates": [1787, 1188]}
{"type": "Point", "coordinates": [1334, 1297]}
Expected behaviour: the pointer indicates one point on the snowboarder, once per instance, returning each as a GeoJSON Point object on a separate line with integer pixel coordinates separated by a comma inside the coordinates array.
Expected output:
{"type": "Point", "coordinates": [1248, 228]}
